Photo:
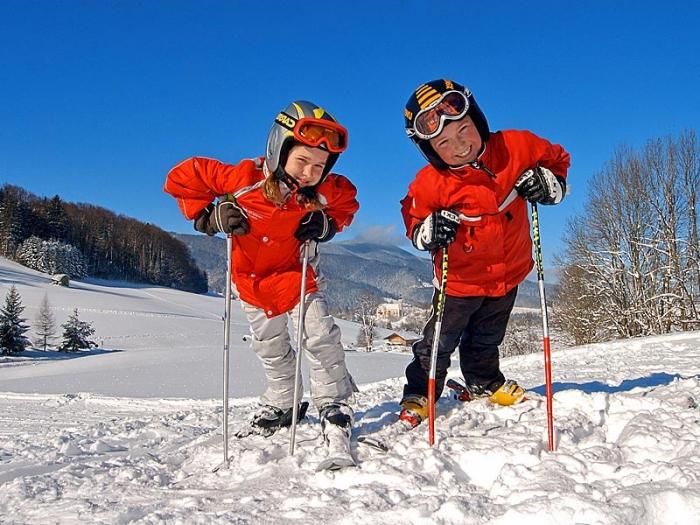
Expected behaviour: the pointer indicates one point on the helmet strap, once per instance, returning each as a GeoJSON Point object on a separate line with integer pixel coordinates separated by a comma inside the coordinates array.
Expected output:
{"type": "Point", "coordinates": [308, 192]}
{"type": "Point", "coordinates": [286, 179]}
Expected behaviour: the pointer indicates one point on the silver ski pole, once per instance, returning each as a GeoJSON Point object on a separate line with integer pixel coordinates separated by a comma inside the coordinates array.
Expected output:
{"type": "Point", "coordinates": [300, 335]}
{"type": "Point", "coordinates": [227, 339]}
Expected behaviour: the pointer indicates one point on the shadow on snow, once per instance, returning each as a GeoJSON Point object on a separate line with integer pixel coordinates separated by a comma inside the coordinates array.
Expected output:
{"type": "Point", "coordinates": [652, 380]}
{"type": "Point", "coordinates": [52, 355]}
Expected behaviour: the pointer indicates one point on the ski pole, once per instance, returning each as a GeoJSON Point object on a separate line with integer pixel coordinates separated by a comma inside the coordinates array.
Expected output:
{"type": "Point", "coordinates": [300, 335]}
{"type": "Point", "coordinates": [434, 350]}
{"type": "Point", "coordinates": [545, 323]}
{"type": "Point", "coordinates": [227, 338]}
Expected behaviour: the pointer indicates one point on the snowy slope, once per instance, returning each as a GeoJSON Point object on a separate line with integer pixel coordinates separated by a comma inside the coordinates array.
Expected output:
{"type": "Point", "coordinates": [628, 430]}
{"type": "Point", "coordinates": [163, 342]}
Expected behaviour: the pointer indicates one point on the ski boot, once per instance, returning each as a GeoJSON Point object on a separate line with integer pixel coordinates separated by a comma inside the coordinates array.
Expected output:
{"type": "Point", "coordinates": [414, 409]}
{"type": "Point", "coordinates": [509, 393]}
{"type": "Point", "coordinates": [268, 420]}
{"type": "Point", "coordinates": [336, 426]}
{"type": "Point", "coordinates": [506, 394]}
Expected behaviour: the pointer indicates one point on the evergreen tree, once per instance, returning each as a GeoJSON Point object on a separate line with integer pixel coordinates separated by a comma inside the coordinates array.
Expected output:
{"type": "Point", "coordinates": [12, 327]}
{"type": "Point", "coordinates": [13, 221]}
{"type": "Point", "coordinates": [58, 225]}
{"type": "Point", "coordinates": [76, 334]}
{"type": "Point", "coordinates": [45, 323]}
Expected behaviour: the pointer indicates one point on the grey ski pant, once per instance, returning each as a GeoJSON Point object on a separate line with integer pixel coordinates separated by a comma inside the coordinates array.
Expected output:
{"type": "Point", "coordinates": [329, 377]}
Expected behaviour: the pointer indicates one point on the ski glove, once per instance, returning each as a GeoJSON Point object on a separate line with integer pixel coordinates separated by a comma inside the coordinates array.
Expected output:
{"type": "Point", "coordinates": [225, 217]}
{"type": "Point", "coordinates": [541, 185]}
{"type": "Point", "coordinates": [437, 231]}
{"type": "Point", "coordinates": [316, 226]}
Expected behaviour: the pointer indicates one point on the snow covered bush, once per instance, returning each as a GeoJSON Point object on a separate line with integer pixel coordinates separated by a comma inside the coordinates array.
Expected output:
{"type": "Point", "coordinates": [51, 257]}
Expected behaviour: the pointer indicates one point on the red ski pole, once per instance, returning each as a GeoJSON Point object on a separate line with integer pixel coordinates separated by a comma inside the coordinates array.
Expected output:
{"type": "Point", "coordinates": [545, 324]}
{"type": "Point", "coordinates": [434, 350]}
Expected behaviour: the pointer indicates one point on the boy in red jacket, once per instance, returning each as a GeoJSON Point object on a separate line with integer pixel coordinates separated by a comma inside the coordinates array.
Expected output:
{"type": "Point", "coordinates": [271, 205]}
{"type": "Point", "coordinates": [485, 180]}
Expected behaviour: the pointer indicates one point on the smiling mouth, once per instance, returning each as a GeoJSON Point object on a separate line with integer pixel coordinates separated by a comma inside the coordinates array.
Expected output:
{"type": "Point", "coordinates": [465, 153]}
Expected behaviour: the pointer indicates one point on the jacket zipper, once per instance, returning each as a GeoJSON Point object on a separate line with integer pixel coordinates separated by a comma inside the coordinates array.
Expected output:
{"type": "Point", "coordinates": [482, 167]}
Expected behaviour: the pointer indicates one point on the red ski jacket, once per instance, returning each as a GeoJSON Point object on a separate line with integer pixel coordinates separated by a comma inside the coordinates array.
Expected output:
{"type": "Point", "coordinates": [492, 253]}
{"type": "Point", "coordinates": [266, 261]}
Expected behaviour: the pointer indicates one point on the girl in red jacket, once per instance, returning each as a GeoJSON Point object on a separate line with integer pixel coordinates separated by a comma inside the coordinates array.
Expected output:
{"type": "Point", "coordinates": [271, 206]}
{"type": "Point", "coordinates": [471, 199]}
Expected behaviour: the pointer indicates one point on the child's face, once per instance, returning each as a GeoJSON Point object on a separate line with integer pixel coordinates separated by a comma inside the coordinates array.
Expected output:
{"type": "Point", "coordinates": [459, 143]}
{"type": "Point", "coordinates": [306, 164]}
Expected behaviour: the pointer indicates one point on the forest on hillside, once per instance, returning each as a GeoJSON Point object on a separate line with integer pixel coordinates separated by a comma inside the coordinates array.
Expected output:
{"type": "Point", "coordinates": [80, 239]}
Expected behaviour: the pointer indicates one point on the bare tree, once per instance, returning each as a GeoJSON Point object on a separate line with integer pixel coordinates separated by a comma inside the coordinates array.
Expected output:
{"type": "Point", "coordinates": [45, 323]}
{"type": "Point", "coordinates": [631, 261]}
{"type": "Point", "coordinates": [366, 315]}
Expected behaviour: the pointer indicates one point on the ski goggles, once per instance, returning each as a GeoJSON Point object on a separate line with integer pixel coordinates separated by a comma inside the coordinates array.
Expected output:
{"type": "Point", "coordinates": [429, 122]}
{"type": "Point", "coordinates": [316, 132]}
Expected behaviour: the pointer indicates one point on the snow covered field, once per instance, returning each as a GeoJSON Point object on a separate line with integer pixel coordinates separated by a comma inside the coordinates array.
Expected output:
{"type": "Point", "coordinates": [88, 440]}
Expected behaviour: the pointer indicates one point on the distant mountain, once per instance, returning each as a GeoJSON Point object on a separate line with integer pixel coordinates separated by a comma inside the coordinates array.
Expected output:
{"type": "Point", "coordinates": [351, 268]}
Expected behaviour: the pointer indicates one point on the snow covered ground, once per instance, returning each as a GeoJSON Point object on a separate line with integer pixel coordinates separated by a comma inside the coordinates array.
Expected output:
{"type": "Point", "coordinates": [108, 450]}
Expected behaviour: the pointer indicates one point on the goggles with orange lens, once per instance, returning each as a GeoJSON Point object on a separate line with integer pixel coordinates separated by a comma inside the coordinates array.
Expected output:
{"type": "Point", "coordinates": [452, 105]}
{"type": "Point", "coordinates": [316, 132]}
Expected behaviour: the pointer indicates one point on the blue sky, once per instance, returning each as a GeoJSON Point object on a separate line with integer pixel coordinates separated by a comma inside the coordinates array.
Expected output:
{"type": "Point", "coordinates": [98, 99]}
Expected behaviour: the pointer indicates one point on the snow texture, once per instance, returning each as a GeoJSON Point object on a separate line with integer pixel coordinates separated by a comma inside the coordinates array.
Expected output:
{"type": "Point", "coordinates": [87, 439]}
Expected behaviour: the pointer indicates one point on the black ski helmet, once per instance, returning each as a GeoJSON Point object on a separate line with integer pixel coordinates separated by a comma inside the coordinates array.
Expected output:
{"type": "Point", "coordinates": [280, 139]}
{"type": "Point", "coordinates": [429, 94]}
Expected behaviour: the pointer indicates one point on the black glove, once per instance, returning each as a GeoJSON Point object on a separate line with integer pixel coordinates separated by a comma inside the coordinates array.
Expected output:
{"type": "Point", "coordinates": [437, 231]}
{"type": "Point", "coordinates": [317, 226]}
{"type": "Point", "coordinates": [225, 217]}
{"type": "Point", "coordinates": [541, 185]}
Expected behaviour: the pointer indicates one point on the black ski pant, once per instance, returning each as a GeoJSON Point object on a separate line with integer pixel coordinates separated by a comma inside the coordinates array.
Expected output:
{"type": "Point", "coordinates": [477, 326]}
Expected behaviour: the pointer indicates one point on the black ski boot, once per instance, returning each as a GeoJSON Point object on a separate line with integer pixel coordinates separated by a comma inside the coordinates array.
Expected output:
{"type": "Point", "coordinates": [339, 415]}
{"type": "Point", "coordinates": [269, 420]}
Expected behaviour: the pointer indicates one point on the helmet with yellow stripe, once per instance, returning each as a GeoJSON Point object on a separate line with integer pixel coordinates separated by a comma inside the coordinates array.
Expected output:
{"type": "Point", "coordinates": [431, 106]}
{"type": "Point", "coordinates": [303, 122]}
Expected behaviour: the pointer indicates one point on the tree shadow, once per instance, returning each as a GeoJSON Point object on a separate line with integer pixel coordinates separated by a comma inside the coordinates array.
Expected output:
{"type": "Point", "coordinates": [9, 277]}
{"type": "Point", "coordinates": [652, 380]}
{"type": "Point", "coordinates": [35, 354]}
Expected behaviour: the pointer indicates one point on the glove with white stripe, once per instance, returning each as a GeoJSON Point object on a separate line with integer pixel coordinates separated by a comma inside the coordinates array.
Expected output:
{"type": "Point", "coordinates": [316, 226]}
{"type": "Point", "coordinates": [225, 217]}
{"type": "Point", "coordinates": [540, 185]}
{"type": "Point", "coordinates": [438, 230]}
